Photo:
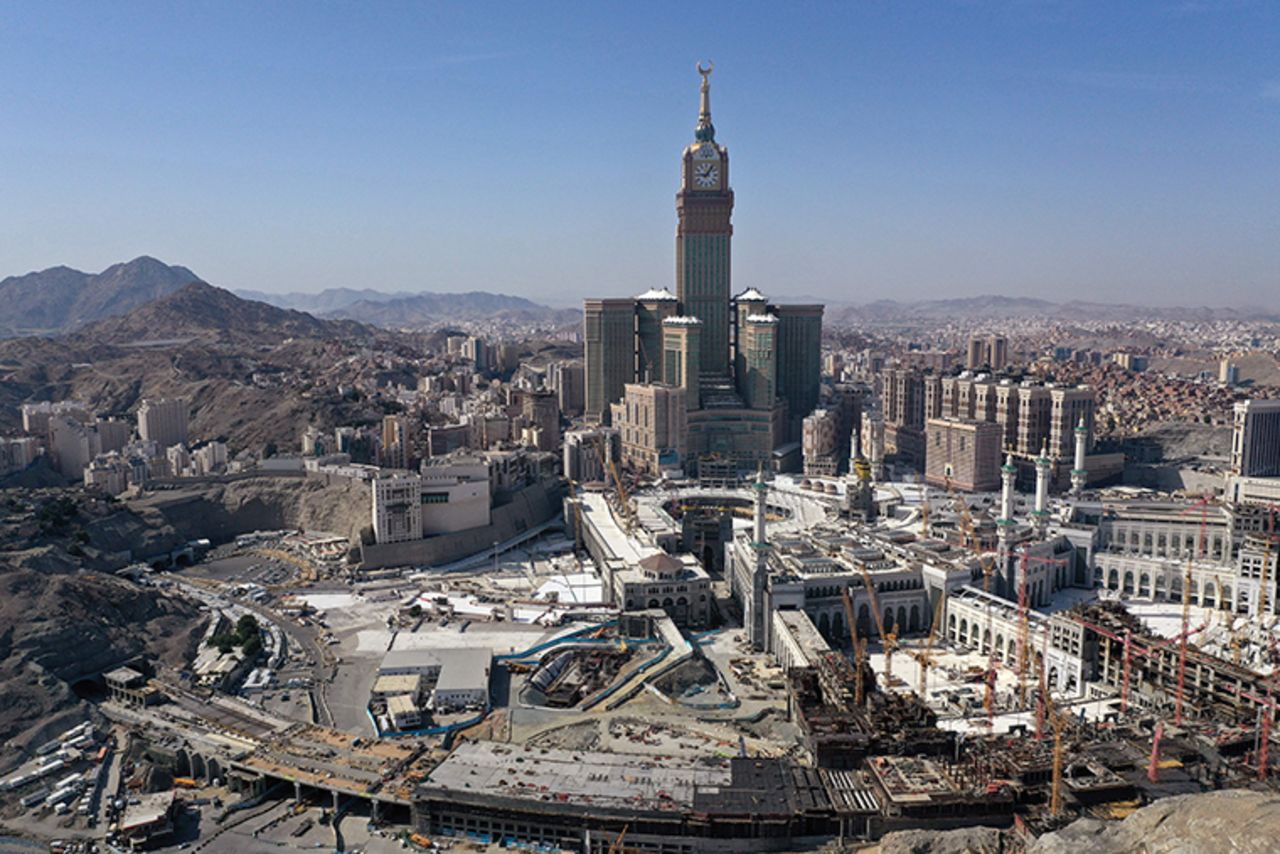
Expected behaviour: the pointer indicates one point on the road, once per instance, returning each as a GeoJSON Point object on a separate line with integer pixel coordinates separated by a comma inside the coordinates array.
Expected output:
{"type": "Point", "coordinates": [300, 638]}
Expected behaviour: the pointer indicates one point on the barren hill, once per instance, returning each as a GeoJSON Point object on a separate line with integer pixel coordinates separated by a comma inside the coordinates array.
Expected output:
{"type": "Point", "coordinates": [60, 299]}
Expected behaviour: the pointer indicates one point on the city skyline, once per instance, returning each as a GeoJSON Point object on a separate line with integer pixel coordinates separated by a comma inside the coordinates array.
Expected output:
{"type": "Point", "coordinates": [1052, 150]}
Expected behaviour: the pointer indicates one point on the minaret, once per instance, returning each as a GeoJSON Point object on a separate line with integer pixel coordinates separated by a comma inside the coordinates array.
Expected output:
{"type": "Point", "coordinates": [758, 619]}
{"type": "Point", "coordinates": [875, 426]}
{"type": "Point", "coordinates": [1078, 474]}
{"type": "Point", "coordinates": [1041, 514]}
{"type": "Point", "coordinates": [1004, 527]}
{"type": "Point", "coordinates": [762, 500]}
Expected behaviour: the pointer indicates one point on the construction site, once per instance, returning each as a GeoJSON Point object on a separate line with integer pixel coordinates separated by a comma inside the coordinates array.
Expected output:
{"type": "Point", "coordinates": [951, 661]}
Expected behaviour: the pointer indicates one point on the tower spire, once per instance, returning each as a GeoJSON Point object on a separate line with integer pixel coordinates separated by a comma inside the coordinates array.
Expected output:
{"type": "Point", "coordinates": [706, 131]}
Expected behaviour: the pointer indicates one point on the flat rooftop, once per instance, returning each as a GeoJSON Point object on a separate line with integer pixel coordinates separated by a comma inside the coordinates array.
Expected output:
{"type": "Point", "coordinates": [597, 514]}
{"type": "Point", "coordinates": [578, 777]}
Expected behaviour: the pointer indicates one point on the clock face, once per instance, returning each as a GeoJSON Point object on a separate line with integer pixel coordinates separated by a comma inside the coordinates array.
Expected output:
{"type": "Point", "coordinates": [706, 175]}
{"type": "Point", "coordinates": [706, 152]}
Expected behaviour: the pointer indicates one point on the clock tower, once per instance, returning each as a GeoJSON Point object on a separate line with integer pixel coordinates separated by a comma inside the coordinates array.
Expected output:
{"type": "Point", "coordinates": [704, 206]}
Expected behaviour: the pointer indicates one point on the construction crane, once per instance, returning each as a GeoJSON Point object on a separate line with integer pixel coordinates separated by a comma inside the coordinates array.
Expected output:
{"type": "Point", "coordinates": [616, 845]}
{"type": "Point", "coordinates": [1024, 621]}
{"type": "Point", "coordinates": [1179, 694]}
{"type": "Point", "coordinates": [859, 647]}
{"type": "Point", "coordinates": [888, 638]}
{"type": "Point", "coordinates": [577, 517]}
{"type": "Point", "coordinates": [624, 500]}
{"type": "Point", "coordinates": [925, 656]}
{"type": "Point", "coordinates": [1058, 719]}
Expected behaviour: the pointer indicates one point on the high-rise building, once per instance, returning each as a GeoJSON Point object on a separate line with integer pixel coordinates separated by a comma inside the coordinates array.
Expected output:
{"type": "Point", "coordinates": [394, 451]}
{"type": "Point", "coordinates": [652, 308]}
{"type": "Point", "coordinates": [704, 205]}
{"type": "Point", "coordinates": [113, 433]}
{"type": "Point", "coordinates": [758, 360]}
{"type": "Point", "coordinates": [962, 453]}
{"type": "Point", "coordinates": [652, 421]}
{"type": "Point", "coordinates": [1255, 439]}
{"type": "Point", "coordinates": [609, 334]}
{"type": "Point", "coordinates": [1228, 372]}
{"type": "Point", "coordinates": [998, 352]}
{"type": "Point", "coordinates": [682, 356]}
{"type": "Point", "coordinates": [397, 508]}
{"type": "Point", "coordinates": [987, 351]}
{"type": "Point", "coordinates": [799, 359]}
{"type": "Point", "coordinates": [35, 416]}
{"type": "Point", "coordinates": [750, 371]}
{"type": "Point", "coordinates": [163, 421]}
{"type": "Point", "coordinates": [567, 380]}
{"type": "Point", "coordinates": [819, 443]}
{"type": "Point", "coordinates": [73, 445]}
{"type": "Point", "coordinates": [541, 411]}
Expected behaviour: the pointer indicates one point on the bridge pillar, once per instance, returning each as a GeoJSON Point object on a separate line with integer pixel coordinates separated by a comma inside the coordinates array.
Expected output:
{"type": "Point", "coordinates": [297, 791]}
{"type": "Point", "coordinates": [336, 797]}
{"type": "Point", "coordinates": [373, 811]}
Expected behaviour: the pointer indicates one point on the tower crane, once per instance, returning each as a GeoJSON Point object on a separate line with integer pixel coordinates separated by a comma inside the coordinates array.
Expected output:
{"type": "Point", "coordinates": [924, 657]}
{"type": "Point", "coordinates": [888, 638]}
{"type": "Point", "coordinates": [859, 648]}
{"type": "Point", "coordinates": [624, 500]}
{"type": "Point", "coordinates": [1203, 505]}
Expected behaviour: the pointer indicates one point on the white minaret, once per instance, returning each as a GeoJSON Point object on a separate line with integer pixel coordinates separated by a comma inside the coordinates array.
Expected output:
{"type": "Point", "coordinates": [1042, 491]}
{"type": "Point", "coordinates": [1008, 472]}
{"type": "Point", "coordinates": [875, 426]}
{"type": "Point", "coordinates": [762, 496]}
{"type": "Point", "coordinates": [1078, 473]}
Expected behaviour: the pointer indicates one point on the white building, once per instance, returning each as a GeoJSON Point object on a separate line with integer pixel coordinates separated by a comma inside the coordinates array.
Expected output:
{"type": "Point", "coordinates": [453, 679]}
{"type": "Point", "coordinates": [455, 494]}
{"type": "Point", "coordinates": [397, 508]}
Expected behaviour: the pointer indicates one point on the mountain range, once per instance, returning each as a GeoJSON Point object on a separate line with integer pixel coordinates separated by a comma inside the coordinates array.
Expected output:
{"type": "Point", "coordinates": [994, 306]}
{"type": "Point", "coordinates": [61, 299]}
{"type": "Point", "coordinates": [425, 310]}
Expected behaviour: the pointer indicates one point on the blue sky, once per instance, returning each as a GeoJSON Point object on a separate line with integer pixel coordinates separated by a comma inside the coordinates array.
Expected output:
{"type": "Point", "coordinates": [1120, 150]}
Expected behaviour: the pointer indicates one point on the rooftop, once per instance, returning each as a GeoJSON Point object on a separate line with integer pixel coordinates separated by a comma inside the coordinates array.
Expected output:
{"type": "Point", "coordinates": [578, 777]}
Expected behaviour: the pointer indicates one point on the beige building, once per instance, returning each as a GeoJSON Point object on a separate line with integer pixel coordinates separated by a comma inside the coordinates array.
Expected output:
{"type": "Point", "coordinates": [676, 584]}
{"type": "Point", "coordinates": [163, 421]}
{"type": "Point", "coordinates": [963, 453]}
{"type": "Point", "coordinates": [820, 444]}
{"type": "Point", "coordinates": [653, 423]}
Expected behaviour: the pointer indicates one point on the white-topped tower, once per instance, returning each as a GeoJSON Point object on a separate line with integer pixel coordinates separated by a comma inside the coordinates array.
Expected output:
{"type": "Point", "coordinates": [1078, 473]}
{"type": "Point", "coordinates": [1041, 514]}
{"type": "Point", "coordinates": [1008, 474]}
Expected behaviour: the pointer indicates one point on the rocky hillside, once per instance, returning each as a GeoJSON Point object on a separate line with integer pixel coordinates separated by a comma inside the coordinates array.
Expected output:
{"type": "Point", "coordinates": [255, 374]}
{"type": "Point", "coordinates": [1234, 820]}
{"type": "Point", "coordinates": [201, 311]}
{"type": "Point", "coordinates": [61, 299]}
{"type": "Point", "coordinates": [63, 616]}
{"type": "Point", "coordinates": [222, 511]}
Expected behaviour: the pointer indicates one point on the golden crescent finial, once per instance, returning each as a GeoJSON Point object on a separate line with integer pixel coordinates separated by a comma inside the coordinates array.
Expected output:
{"type": "Point", "coordinates": [706, 71]}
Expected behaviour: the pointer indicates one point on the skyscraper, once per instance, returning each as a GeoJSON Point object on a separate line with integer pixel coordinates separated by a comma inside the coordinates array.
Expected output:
{"type": "Point", "coordinates": [704, 206]}
{"type": "Point", "coordinates": [1255, 439]}
{"type": "Point", "coordinates": [749, 371]}
{"type": "Point", "coordinates": [609, 334]}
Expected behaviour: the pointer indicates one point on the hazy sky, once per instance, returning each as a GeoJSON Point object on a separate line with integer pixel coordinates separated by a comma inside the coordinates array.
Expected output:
{"type": "Point", "coordinates": [1117, 150]}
